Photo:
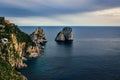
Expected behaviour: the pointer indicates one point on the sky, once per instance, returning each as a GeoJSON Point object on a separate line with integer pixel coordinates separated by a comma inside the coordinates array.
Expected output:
{"type": "Point", "coordinates": [61, 12]}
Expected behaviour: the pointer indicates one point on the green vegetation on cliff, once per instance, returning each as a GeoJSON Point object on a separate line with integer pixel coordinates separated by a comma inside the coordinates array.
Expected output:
{"type": "Point", "coordinates": [21, 36]}
{"type": "Point", "coordinates": [7, 72]}
{"type": "Point", "coordinates": [16, 46]}
{"type": "Point", "coordinates": [11, 51]}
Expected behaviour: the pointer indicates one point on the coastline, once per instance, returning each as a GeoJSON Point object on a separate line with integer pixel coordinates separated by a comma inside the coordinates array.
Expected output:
{"type": "Point", "coordinates": [16, 46]}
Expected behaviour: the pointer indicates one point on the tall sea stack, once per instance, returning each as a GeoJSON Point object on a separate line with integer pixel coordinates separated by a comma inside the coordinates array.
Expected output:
{"type": "Point", "coordinates": [65, 35]}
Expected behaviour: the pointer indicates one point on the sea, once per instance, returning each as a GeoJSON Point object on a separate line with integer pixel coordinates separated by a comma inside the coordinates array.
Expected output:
{"type": "Point", "coordinates": [94, 54]}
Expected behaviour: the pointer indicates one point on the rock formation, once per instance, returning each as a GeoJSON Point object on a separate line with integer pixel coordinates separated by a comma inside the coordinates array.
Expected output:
{"type": "Point", "coordinates": [12, 48]}
{"type": "Point", "coordinates": [16, 46]}
{"type": "Point", "coordinates": [39, 38]}
{"type": "Point", "coordinates": [65, 35]}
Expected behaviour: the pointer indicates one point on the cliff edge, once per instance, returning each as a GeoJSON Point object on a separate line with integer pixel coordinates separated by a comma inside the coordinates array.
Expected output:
{"type": "Point", "coordinates": [15, 47]}
{"type": "Point", "coordinates": [12, 50]}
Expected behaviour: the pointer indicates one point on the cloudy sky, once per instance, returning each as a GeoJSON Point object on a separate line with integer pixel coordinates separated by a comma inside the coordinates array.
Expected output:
{"type": "Point", "coordinates": [62, 12]}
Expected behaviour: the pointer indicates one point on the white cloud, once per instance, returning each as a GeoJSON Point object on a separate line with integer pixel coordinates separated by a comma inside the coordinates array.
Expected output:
{"type": "Point", "coordinates": [34, 21]}
{"type": "Point", "coordinates": [109, 17]}
{"type": "Point", "coordinates": [109, 12]}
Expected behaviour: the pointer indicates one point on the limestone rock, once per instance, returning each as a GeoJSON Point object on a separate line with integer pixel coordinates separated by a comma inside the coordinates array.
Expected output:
{"type": "Point", "coordinates": [38, 36]}
{"type": "Point", "coordinates": [34, 55]}
{"type": "Point", "coordinates": [4, 40]}
{"type": "Point", "coordinates": [65, 35]}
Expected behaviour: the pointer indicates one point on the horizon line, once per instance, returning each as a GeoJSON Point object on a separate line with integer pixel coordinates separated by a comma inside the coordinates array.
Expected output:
{"type": "Point", "coordinates": [62, 26]}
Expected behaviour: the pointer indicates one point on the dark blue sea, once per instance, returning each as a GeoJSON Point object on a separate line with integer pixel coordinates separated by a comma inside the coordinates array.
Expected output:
{"type": "Point", "coordinates": [93, 55]}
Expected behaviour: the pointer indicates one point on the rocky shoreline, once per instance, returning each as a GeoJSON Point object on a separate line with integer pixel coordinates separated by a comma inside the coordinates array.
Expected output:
{"type": "Point", "coordinates": [16, 46]}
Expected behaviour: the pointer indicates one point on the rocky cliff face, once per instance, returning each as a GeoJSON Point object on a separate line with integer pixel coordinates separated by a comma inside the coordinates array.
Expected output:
{"type": "Point", "coordinates": [16, 46]}
{"type": "Point", "coordinates": [39, 38]}
{"type": "Point", "coordinates": [20, 50]}
{"type": "Point", "coordinates": [12, 48]}
{"type": "Point", "coordinates": [7, 72]}
{"type": "Point", "coordinates": [65, 35]}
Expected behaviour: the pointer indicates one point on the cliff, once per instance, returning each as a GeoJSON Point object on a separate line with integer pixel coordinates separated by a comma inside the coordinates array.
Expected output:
{"type": "Point", "coordinates": [65, 35]}
{"type": "Point", "coordinates": [7, 72]}
{"type": "Point", "coordinates": [14, 48]}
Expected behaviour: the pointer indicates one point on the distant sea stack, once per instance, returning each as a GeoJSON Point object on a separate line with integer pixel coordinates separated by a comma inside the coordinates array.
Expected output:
{"type": "Point", "coordinates": [65, 35]}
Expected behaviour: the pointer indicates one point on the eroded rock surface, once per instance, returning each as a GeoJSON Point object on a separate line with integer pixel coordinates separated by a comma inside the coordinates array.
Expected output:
{"type": "Point", "coordinates": [65, 35]}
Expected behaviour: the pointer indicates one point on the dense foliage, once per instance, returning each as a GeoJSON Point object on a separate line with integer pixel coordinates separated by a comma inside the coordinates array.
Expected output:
{"type": "Point", "coordinates": [8, 52]}
{"type": "Point", "coordinates": [7, 72]}
{"type": "Point", "coordinates": [21, 36]}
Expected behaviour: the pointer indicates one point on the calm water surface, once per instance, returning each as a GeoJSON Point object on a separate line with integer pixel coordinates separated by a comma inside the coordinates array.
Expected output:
{"type": "Point", "coordinates": [93, 55]}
